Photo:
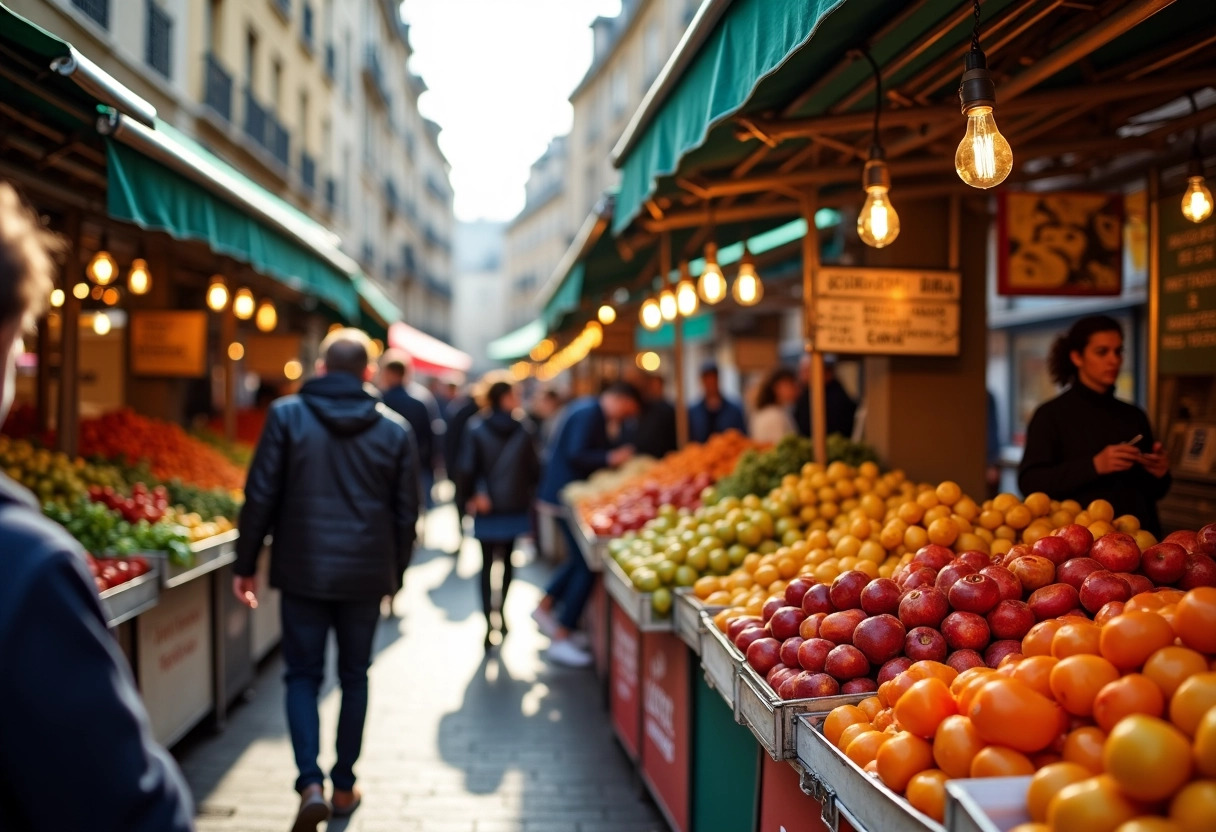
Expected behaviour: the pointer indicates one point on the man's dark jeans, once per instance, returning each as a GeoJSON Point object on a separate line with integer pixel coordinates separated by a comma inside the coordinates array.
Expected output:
{"type": "Point", "coordinates": [572, 583]}
{"type": "Point", "coordinates": [306, 626]}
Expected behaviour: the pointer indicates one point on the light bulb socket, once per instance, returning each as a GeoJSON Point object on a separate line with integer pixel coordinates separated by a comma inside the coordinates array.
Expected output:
{"type": "Point", "coordinates": [1195, 167]}
{"type": "Point", "coordinates": [876, 173]}
{"type": "Point", "coordinates": [711, 252]}
{"type": "Point", "coordinates": [976, 89]}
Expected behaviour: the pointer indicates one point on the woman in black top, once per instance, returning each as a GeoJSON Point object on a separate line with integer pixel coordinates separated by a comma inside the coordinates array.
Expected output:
{"type": "Point", "coordinates": [1085, 444]}
{"type": "Point", "coordinates": [500, 461]}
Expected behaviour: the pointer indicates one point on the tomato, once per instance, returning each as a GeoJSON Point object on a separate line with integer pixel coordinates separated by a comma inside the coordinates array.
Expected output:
{"type": "Point", "coordinates": [1037, 642]}
{"type": "Point", "coordinates": [1093, 805]}
{"type": "Point", "coordinates": [927, 793]}
{"type": "Point", "coordinates": [923, 707]}
{"type": "Point", "coordinates": [1195, 619]}
{"type": "Point", "coordinates": [998, 761]}
{"type": "Point", "coordinates": [1076, 680]}
{"type": "Point", "coordinates": [1047, 782]}
{"type": "Point", "coordinates": [1084, 746]}
{"type": "Point", "coordinates": [1149, 758]}
{"type": "Point", "coordinates": [955, 745]}
{"type": "Point", "coordinates": [1129, 640]}
{"type": "Point", "coordinates": [1205, 744]}
{"type": "Point", "coordinates": [1194, 807]}
{"type": "Point", "coordinates": [851, 733]}
{"type": "Point", "coordinates": [1035, 673]}
{"type": "Point", "coordinates": [902, 757]}
{"type": "Point", "coordinates": [1132, 694]}
{"type": "Point", "coordinates": [1077, 637]}
{"type": "Point", "coordinates": [841, 718]}
{"type": "Point", "coordinates": [1007, 712]}
{"type": "Point", "coordinates": [864, 748]}
{"type": "Point", "coordinates": [1192, 700]}
{"type": "Point", "coordinates": [1169, 667]}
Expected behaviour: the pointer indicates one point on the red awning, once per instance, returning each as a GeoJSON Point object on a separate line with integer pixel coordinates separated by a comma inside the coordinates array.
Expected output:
{"type": "Point", "coordinates": [430, 355]}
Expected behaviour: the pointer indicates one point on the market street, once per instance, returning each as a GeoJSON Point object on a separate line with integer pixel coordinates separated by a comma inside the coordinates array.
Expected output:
{"type": "Point", "coordinates": [456, 741]}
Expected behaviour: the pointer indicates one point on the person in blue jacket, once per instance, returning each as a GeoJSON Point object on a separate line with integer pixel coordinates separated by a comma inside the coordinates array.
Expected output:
{"type": "Point", "coordinates": [579, 447]}
{"type": "Point", "coordinates": [76, 748]}
{"type": "Point", "coordinates": [714, 413]}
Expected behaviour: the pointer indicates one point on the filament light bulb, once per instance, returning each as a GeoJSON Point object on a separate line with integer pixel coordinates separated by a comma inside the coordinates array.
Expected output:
{"type": "Point", "coordinates": [102, 269]}
{"type": "Point", "coordinates": [102, 323]}
{"type": "Point", "coordinates": [139, 280]}
{"type": "Point", "coordinates": [668, 307]}
{"type": "Point", "coordinates": [877, 224]}
{"type": "Point", "coordinates": [267, 317]}
{"type": "Point", "coordinates": [217, 295]}
{"type": "Point", "coordinates": [1197, 201]}
{"type": "Point", "coordinates": [983, 158]}
{"type": "Point", "coordinates": [650, 315]}
{"type": "Point", "coordinates": [606, 314]}
{"type": "Point", "coordinates": [711, 286]}
{"type": "Point", "coordinates": [748, 290]}
{"type": "Point", "coordinates": [57, 298]}
{"type": "Point", "coordinates": [243, 304]}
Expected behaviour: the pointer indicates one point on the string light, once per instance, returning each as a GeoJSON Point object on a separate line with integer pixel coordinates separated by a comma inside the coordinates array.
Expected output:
{"type": "Point", "coordinates": [877, 224]}
{"type": "Point", "coordinates": [267, 316]}
{"type": "Point", "coordinates": [748, 290]}
{"type": "Point", "coordinates": [139, 280]}
{"type": "Point", "coordinates": [243, 304]}
{"type": "Point", "coordinates": [650, 315]}
{"type": "Point", "coordinates": [1197, 200]}
{"type": "Point", "coordinates": [57, 298]}
{"type": "Point", "coordinates": [686, 293]}
{"type": "Point", "coordinates": [668, 307]}
{"type": "Point", "coordinates": [101, 323]}
{"type": "Point", "coordinates": [217, 295]}
{"type": "Point", "coordinates": [606, 314]}
{"type": "Point", "coordinates": [80, 291]}
{"type": "Point", "coordinates": [236, 350]}
{"type": "Point", "coordinates": [102, 269]}
{"type": "Point", "coordinates": [649, 361]}
{"type": "Point", "coordinates": [293, 369]}
{"type": "Point", "coordinates": [983, 158]}
{"type": "Point", "coordinates": [711, 286]}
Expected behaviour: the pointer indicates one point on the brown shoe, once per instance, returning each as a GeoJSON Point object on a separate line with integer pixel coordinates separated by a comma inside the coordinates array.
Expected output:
{"type": "Point", "coordinates": [345, 802]}
{"type": "Point", "coordinates": [313, 809]}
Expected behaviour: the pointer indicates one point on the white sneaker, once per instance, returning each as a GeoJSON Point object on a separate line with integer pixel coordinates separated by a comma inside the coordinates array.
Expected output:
{"type": "Point", "coordinates": [565, 653]}
{"type": "Point", "coordinates": [580, 640]}
{"type": "Point", "coordinates": [546, 622]}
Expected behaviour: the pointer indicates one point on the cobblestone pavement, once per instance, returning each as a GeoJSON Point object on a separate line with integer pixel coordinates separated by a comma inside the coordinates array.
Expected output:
{"type": "Point", "coordinates": [457, 740]}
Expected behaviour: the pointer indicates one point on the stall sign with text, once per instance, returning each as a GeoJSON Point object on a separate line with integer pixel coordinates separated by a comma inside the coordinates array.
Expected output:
{"type": "Point", "coordinates": [169, 343]}
{"type": "Point", "coordinates": [887, 311]}
{"type": "Point", "coordinates": [174, 663]}
{"type": "Point", "coordinates": [1186, 307]}
{"type": "Point", "coordinates": [665, 717]}
{"type": "Point", "coordinates": [623, 680]}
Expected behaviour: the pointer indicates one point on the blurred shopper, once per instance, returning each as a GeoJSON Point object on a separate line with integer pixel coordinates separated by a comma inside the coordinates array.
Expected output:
{"type": "Point", "coordinates": [839, 408]}
{"type": "Point", "coordinates": [335, 481]}
{"type": "Point", "coordinates": [655, 431]}
{"type": "Point", "coordinates": [545, 407]}
{"type": "Point", "coordinates": [580, 446]}
{"type": "Point", "coordinates": [502, 466]}
{"type": "Point", "coordinates": [714, 413]}
{"type": "Point", "coordinates": [773, 419]}
{"type": "Point", "coordinates": [394, 369]}
{"type": "Point", "coordinates": [462, 409]}
{"type": "Point", "coordinates": [1085, 444]}
{"type": "Point", "coordinates": [428, 460]}
{"type": "Point", "coordinates": [68, 699]}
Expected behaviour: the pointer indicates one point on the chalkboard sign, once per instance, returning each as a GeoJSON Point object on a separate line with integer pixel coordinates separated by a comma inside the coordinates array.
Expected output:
{"type": "Point", "coordinates": [1186, 271]}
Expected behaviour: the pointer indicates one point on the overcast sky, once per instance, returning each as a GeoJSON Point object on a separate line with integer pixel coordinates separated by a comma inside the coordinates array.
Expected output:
{"type": "Point", "coordinates": [500, 73]}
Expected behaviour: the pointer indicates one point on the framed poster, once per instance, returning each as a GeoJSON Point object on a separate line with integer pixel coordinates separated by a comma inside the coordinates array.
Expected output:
{"type": "Point", "coordinates": [169, 343]}
{"type": "Point", "coordinates": [1060, 243]}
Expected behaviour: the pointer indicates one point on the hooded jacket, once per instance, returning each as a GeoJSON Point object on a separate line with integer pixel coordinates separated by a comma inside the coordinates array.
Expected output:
{"type": "Point", "coordinates": [501, 461]}
{"type": "Point", "coordinates": [335, 480]}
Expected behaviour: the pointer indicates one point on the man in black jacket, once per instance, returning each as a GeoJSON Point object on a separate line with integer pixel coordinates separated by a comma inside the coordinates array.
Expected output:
{"type": "Point", "coordinates": [335, 480]}
{"type": "Point", "coordinates": [392, 389]}
{"type": "Point", "coordinates": [76, 750]}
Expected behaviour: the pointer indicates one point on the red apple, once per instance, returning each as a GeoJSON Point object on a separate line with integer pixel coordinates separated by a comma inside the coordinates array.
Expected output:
{"type": "Point", "coordinates": [1052, 601]}
{"type": "Point", "coordinates": [862, 684]}
{"type": "Point", "coordinates": [779, 674]}
{"type": "Point", "coordinates": [1101, 588]}
{"type": "Point", "coordinates": [818, 599]}
{"type": "Point", "coordinates": [893, 668]}
{"type": "Point", "coordinates": [1109, 611]}
{"type": "Point", "coordinates": [919, 577]}
{"type": "Point", "coordinates": [1164, 563]}
{"type": "Point", "coordinates": [786, 621]}
{"type": "Point", "coordinates": [1117, 552]}
{"type": "Point", "coordinates": [974, 593]}
{"type": "Point", "coordinates": [1079, 538]}
{"type": "Point", "coordinates": [966, 631]}
{"type": "Point", "coordinates": [1074, 571]}
{"type": "Point", "coordinates": [770, 607]}
{"type": "Point", "coordinates": [839, 626]}
{"type": "Point", "coordinates": [744, 640]}
{"type": "Point", "coordinates": [796, 589]}
{"type": "Point", "coordinates": [806, 685]}
{"type": "Point", "coordinates": [1200, 571]}
{"type": "Point", "coordinates": [1079, 612]}
{"type": "Point", "coordinates": [809, 628]}
{"type": "Point", "coordinates": [1055, 549]}
{"type": "Point", "coordinates": [962, 660]}
{"type": "Point", "coordinates": [813, 652]}
{"type": "Point", "coordinates": [923, 608]}
{"type": "Point", "coordinates": [998, 650]}
{"type": "Point", "coordinates": [1011, 587]}
{"type": "Point", "coordinates": [880, 638]}
{"type": "Point", "coordinates": [881, 595]}
{"type": "Point", "coordinates": [789, 651]}
{"type": "Point", "coordinates": [1205, 539]}
{"type": "Point", "coordinates": [1011, 619]}
{"type": "Point", "coordinates": [951, 573]}
{"type": "Point", "coordinates": [846, 590]}
{"type": "Point", "coordinates": [975, 559]}
{"type": "Point", "coordinates": [933, 556]}
{"type": "Point", "coordinates": [1033, 571]}
{"type": "Point", "coordinates": [764, 654]}
{"type": "Point", "coordinates": [1185, 538]}
{"type": "Point", "coordinates": [743, 622]}
{"type": "Point", "coordinates": [846, 662]}
{"type": "Point", "coordinates": [1137, 583]}
{"type": "Point", "coordinates": [925, 644]}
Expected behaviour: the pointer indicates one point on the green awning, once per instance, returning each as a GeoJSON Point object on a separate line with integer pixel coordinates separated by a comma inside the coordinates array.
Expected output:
{"type": "Point", "coordinates": [518, 343]}
{"type": "Point", "coordinates": [697, 330]}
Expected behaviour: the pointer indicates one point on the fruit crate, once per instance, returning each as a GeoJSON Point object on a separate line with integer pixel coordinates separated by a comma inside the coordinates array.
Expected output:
{"type": "Point", "coordinates": [209, 554]}
{"type": "Point", "coordinates": [845, 791]}
{"type": "Point", "coordinates": [593, 547]}
{"type": "Point", "coordinates": [686, 612]}
{"type": "Point", "coordinates": [129, 599]}
{"type": "Point", "coordinates": [720, 659]}
{"type": "Point", "coordinates": [637, 605]}
{"type": "Point", "coordinates": [991, 804]}
{"type": "Point", "coordinates": [771, 719]}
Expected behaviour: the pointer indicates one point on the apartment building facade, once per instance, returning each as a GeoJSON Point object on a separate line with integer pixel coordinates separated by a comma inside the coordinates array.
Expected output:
{"type": "Point", "coordinates": [538, 236]}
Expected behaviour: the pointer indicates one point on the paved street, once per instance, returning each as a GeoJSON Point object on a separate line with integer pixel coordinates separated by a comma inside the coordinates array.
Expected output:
{"type": "Point", "coordinates": [456, 740]}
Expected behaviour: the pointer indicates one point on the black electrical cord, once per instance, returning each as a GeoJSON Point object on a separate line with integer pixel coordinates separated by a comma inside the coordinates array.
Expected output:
{"type": "Point", "coordinates": [877, 91]}
{"type": "Point", "coordinates": [975, 30]}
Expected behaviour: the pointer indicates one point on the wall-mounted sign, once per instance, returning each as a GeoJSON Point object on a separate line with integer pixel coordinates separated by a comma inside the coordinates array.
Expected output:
{"type": "Point", "coordinates": [1186, 307]}
{"type": "Point", "coordinates": [1060, 243]}
{"type": "Point", "coordinates": [887, 311]}
{"type": "Point", "coordinates": [169, 343]}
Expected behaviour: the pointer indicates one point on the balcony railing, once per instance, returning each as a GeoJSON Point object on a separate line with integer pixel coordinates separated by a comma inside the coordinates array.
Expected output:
{"type": "Point", "coordinates": [255, 118]}
{"type": "Point", "coordinates": [308, 172]}
{"type": "Point", "coordinates": [278, 140]}
{"type": "Point", "coordinates": [264, 128]}
{"type": "Point", "coordinates": [217, 92]}
{"type": "Point", "coordinates": [97, 10]}
{"type": "Point", "coordinates": [373, 76]}
{"type": "Point", "coordinates": [158, 52]}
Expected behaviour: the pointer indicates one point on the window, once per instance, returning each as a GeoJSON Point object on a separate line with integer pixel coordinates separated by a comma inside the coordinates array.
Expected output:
{"type": "Point", "coordinates": [160, 34]}
{"type": "Point", "coordinates": [276, 83]}
{"type": "Point", "coordinates": [304, 119]}
{"type": "Point", "coordinates": [284, 7]}
{"type": "Point", "coordinates": [251, 58]}
{"type": "Point", "coordinates": [97, 10]}
{"type": "Point", "coordinates": [215, 10]}
{"type": "Point", "coordinates": [306, 25]}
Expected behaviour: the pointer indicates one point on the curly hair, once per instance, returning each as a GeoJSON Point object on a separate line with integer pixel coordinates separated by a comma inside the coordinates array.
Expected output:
{"type": "Point", "coordinates": [27, 260]}
{"type": "Point", "coordinates": [1059, 360]}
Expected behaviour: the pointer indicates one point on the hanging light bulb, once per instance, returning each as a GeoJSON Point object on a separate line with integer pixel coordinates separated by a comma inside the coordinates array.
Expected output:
{"type": "Point", "coordinates": [686, 293]}
{"type": "Point", "coordinates": [747, 290]}
{"type": "Point", "coordinates": [1197, 201]}
{"type": "Point", "coordinates": [101, 323]}
{"type": "Point", "coordinates": [711, 285]}
{"type": "Point", "coordinates": [267, 316]}
{"type": "Point", "coordinates": [102, 269]}
{"type": "Point", "coordinates": [236, 350]}
{"type": "Point", "coordinates": [139, 280]}
{"type": "Point", "coordinates": [243, 304]}
{"type": "Point", "coordinates": [877, 224]}
{"type": "Point", "coordinates": [80, 291]}
{"type": "Point", "coordinates": [650, 315]}
{"type": "Point", "coordinates": [983, 158]}
{"type": "Point", "coordinates": [668, 307]}
{"type": "Point", "coordinates": [594, 333]}
{"type": "Point", "coordinates": [293, 369]}
{"type": "Point", "coordinates": [606, 314]}
{"type": "Point", "coordinates": [217, 295]}
{"type": "Point", "coordinates": [57, 298]}
{"type": "Point", "coordinates": [110, 296]}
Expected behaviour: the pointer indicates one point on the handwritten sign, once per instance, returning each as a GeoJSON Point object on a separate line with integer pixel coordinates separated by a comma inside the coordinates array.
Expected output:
{"type": "Point", "coordinates": [169, 343]}
{"type": "Point", "coordinates": [887, 311]}
{"type": "Point", "coordinates": [1187, 297]}
{"type": "Point", "coordinates": [175, 659]}
{"type": "Point", "coordinates": [665, 724]}
{"type": "Point", "coordinates": [624, 702]}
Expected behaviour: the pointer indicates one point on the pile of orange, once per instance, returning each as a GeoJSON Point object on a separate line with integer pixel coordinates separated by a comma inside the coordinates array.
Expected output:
{"type": "Point", "coordinates": [1116, 721]}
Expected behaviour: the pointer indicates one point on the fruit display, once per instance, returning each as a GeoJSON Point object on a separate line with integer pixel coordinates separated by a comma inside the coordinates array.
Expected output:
{"type": "Point", "coordinates": [196, 526]}
{"type": "Point", "coordinates": [111, 572]}
{"type": "Point", "coordinates": [103, 531]}
{"type": "Point", "coordinates": [51, 475]}
{"type": "Point", "coordinates": [759, 472]}
{"type": "Point", "coordinates": [1113, 719]}
{"type": "Point", "coordinates": [143, 504]}
{"type": "Point", "coordinates": [607, 480]}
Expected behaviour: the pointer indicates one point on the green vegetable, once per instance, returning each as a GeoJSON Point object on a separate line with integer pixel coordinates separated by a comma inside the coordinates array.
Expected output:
{"type": "Point", "coordinates": [759, 473]}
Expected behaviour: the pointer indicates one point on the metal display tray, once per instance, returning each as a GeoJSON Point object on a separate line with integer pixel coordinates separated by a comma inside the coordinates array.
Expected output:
{"type": "Point", "coordinates": [593, 547]}
{"type": "Point", "coordinates": [127, 600]}
{"type": "Point", "coordinates": [844, 790]}
{"type": "Point", "coordinates": [637, 605]}
{"type": "Point", "coordinates": [686, 614]}
{"type": "Point", "coordinates": [209, 554]}
{"type": "Point", "coordinates": [771, 718]}
{"type": "Point", "coordinates": [720, 660]}
{"type": "Point", "coordinates": [990, 804]}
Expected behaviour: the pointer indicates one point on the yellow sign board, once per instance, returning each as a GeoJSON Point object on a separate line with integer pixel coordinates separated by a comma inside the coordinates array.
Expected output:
{"type": "Point", "coordinates": [169, 343]}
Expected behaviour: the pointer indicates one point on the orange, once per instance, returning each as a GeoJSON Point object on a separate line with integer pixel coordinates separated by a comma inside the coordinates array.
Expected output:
{"type": "Point", "coordinates": [955, 745]}
{"type": "Point", "coordinates": [1007, 712]}
{"type": "Point", "coordinates": [967, 692]}
{"type": "Point", "coordinates": [1132, 694]}
{"type": "Point", "coordinates": [1076, 637]}
{"type": "Point", "coordinates": [1195, 619]}
{"type": "Point", "coordinates": [938, 670]}
{"type": "Point", "coordinates": [1205, 744]}
{"type": "Point", "coordinates": [1047, 782]}
{"type": "Point", "coordinates": [1084, 746]}
{"type": "Point", "coordinates": [851, 733]}
{"type": "Point", "coordinates": [1194, 807]}
{"type": "Point", "coordinates": [923, 707]}
{"type": "Point", "coordinates": [1035, 672]}
{"type": "Point", "coordinates": [927, 793]}
{"type": "Point", "coordinates": [1149, 823]}
{"type": "Point", "coordinates": [1169, 667]}
{"type": "Point", "coordinates": [998, 761]}
{"type": "Point", "coordinates": [1076, 680]}
{"type": "Point", "coordinates": [901, 757]}
{"type": "Point", "coordinates": [841, 718]}
{"type": "Point", "coordinates": [1192, 700]}
{"type": "Point", "coordinates": [864, 748]}
{"type": "Point", "coordinates": [870, 706]}
{"type": "Point", "coordinates": [884, 719]}
{"type": "Point", "coordinates": [765, 575]}
{"type": "Point", "coordinates": [1093, 805]}
{"type": "Point", "coordinates": [1149, 758]}
{"type": "Point", "coordinates": [1031, 827]}
{"type": "Point", "coordinates": [1038, 641]}
{"type": "Point", "coordinates": [961, 680]}
{"type": "Point", "coordinates": [1130, 639]}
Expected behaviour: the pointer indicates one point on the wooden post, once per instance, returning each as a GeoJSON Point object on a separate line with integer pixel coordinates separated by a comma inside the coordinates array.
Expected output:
{"type": "Point", "coordinates": [678, 327]}
{"type": "Point", "coordinates": [1154, 300]}
{"type": "Point", "coordinates": [67, 417]}
{"type": "Point", "coordinates": [227, 337]}
{"type": "Point", "coordinates": [810, 270]}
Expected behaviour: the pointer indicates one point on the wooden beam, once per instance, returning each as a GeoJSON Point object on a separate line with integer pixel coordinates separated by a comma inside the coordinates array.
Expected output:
{"type": "Point", "coordinates": [735, 214]}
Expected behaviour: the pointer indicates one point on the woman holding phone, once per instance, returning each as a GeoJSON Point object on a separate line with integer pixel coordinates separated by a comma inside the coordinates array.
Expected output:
{"type": "Point", "coordinates": [1085, 444]}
